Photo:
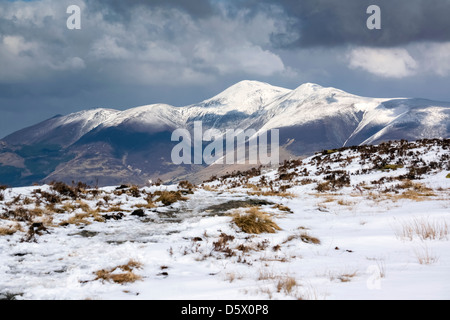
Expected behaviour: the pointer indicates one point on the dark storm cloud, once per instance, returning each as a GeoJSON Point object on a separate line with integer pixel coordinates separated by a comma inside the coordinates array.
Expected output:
{"type": "Point", "coordinates": [334, 23]}
{"type": "Point", "coordinates": [136, 52]}
{"type": "Point", "coordinates": [121, 8]}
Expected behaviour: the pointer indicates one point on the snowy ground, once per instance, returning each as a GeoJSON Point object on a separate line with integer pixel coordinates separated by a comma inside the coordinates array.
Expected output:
{"type": "Point", "coordinates": [349, 242]}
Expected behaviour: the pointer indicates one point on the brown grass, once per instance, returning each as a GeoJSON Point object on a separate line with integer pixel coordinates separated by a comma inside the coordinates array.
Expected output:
{"type": "Point", "coordinates": [266, 275]}
{"type": "Point", "coordinates": [283, 208]}
{"type": "Point", "coordinates": [304, 237]}
{"type": "Point", "coordinates": [170, 197]}
{"type": "Point", "coordinates": [82, 218]}
{"type": "Point", "coordinates": [342, 276]}
{"type": "Point", "coordinates": [69, 207]}
{"type": "Point", "coordinates": [424, 229]}
{"type": "Point", "coordinates": [253, 187]}
{"type": "Point", "coordinates": [347, 277]}
{"type": "Point", "coordinates": [127, 276]}
{"type": "Point", "coordinates": [114, 208]}
{"type": "Point", "coordinates": [414, 191]}
{"type": "Point", "coordinates": [324, 187]}
{"type": "Point", "coordinates": [307, 238]}
{"type": "Point", "coordinates": [9, 231]}
{"type": "Point", "coordinates": [77, 219]}
{"type": "Point", "coordinates": [414, 195]}
{"type": "Point", "coordinates": [209, 188]}
{"type": "Point", "coordinates": [286, 284]}
{"type": "Point", "coordinates": [345, 203]}
{"type": "Point", "coordinates": [281, 194]}
{"type": "Point", "coordinates": [255, 221]}
{"type": "Point", "coordinates": [149, 205]}
{"type": "Point", "coordinates": [425, 256]}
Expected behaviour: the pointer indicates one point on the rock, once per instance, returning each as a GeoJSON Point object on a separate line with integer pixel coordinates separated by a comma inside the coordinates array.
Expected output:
{"type": "Point", "coordinates": [138, 213]}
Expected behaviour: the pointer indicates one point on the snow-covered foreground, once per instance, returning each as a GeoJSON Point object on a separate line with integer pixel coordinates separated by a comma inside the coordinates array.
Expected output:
{"type": "Point", "coordinates": [354, 224]}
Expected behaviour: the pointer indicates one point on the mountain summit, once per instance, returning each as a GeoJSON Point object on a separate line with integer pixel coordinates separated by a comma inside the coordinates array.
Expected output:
{"type": "Point", "coordinates": [108, 147]}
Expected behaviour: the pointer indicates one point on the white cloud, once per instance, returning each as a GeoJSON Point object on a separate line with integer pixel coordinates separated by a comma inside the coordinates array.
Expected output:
{"type": "Point", "coordinates": [17, 45]}
{"type": "Point", "coordinates": [387, 63]}
{"type": "Point", "coordinates": [170, 46]}
{"type": "Point", "coordinates": [436, 58]}
{"type": "Point", "coordinates": [240, 58]}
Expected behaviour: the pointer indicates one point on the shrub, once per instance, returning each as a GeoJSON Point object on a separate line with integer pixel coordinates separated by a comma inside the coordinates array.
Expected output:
{"type": "Point", "coordinates": [221, 245]}
{"type": "Point", "coordinates": [323, 187]}
{"type": "Point", "coordinates": [255, 222]}
{"type": "Point", "coordinates": [19, 214]}
{"type": "Point", "coordinates": [50, 197]}
{"type": "Point", "coordinates": [64, 189]}
{"type": "Point", "coordinates": [134, 192]}
{"type": "Point", "coordinates": [338, 179]}
{"type": "Point", "coordinates": [186, 186]}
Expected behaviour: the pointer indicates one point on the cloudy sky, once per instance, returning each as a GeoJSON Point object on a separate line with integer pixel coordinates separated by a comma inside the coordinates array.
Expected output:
{"type": "Point", "coordinates": [137, 52]}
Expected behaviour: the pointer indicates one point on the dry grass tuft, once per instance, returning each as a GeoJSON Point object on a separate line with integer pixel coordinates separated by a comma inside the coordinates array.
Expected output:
{"type": "Point", "coordinates": [255, 221]}
{"type": "Point", "coordinates": [9, 231]}
{"type": "Point", "coordinates": [126, 276]}
{"type": "Point", "coordinates": [149, 205]}
{"type": "Point", "coordinates": [347, 277]}
{"type": "Point", "coordinates": [342, 276]}
{"type": "Point", "coordinates": [286, 284]}
{"type": "Point", "coordinates": [83, 217]}
{"type": "Point", "coordinates": [283, 208]}
{"type": "Point", "coordinates": [307, 238]}
{"type": "Point", "coordinates": [414, 191]}
{"type": "Point", "coordinates": [170, 197]}
{"type": "Point", "coordinates": [425, 256]}
{"type": "Point", "coordinates": [271, 193]}
{"type": "Point", "coordinates": [345, 203]}
{"type": "Point", "coordinates": [424, 229]}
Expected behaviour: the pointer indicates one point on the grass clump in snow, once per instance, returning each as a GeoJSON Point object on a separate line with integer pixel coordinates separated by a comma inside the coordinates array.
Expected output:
{"type": "Point", "coordinates": [82, 217]}
{"type": "Point", "coordinates": [283, 208]}
{"type": "Point", "coordinates": [10, 230]}
{"type": "Point", "coordinates": [448, 176]}
{"type": "Point", "coordinates": [170, 197]}
{"type": "Point", "coordinates": [286, 284]}
{"type": "Point", "coordinates": [121, 274]}
{"type": "Point", "coordinates": [304, 237]}
{"type": "Point", "coordinates": [324, 186]}
{"type": "Point", "coordinates": [255, 221]}
{"type": "Point", "coordinates": [424, 229]}
{"type": "Point", "coordinates": [393, 167]}
{"type": "Point", "coordinates": [425, 256]}
{"type": "Point", "coordinates": [272, 193]}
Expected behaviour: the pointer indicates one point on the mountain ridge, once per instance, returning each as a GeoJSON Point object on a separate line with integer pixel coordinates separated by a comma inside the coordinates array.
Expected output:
{"type": "Point", "coordinates": [134, 145]}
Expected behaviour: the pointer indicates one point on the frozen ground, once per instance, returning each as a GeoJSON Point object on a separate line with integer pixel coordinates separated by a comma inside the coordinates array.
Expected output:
{"type": "Point", "coordinates": [354, 224]}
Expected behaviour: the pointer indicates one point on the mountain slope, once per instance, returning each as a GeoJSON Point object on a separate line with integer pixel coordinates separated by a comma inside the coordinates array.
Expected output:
{"type": "Point", "coordinates": [333, 226]}
{"type": "Point", "coordinates": [111, 147]}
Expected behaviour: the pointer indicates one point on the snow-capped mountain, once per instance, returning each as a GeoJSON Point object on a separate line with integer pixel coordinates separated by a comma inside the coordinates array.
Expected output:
{"type": "Point", "coordinates": [109, 146]}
